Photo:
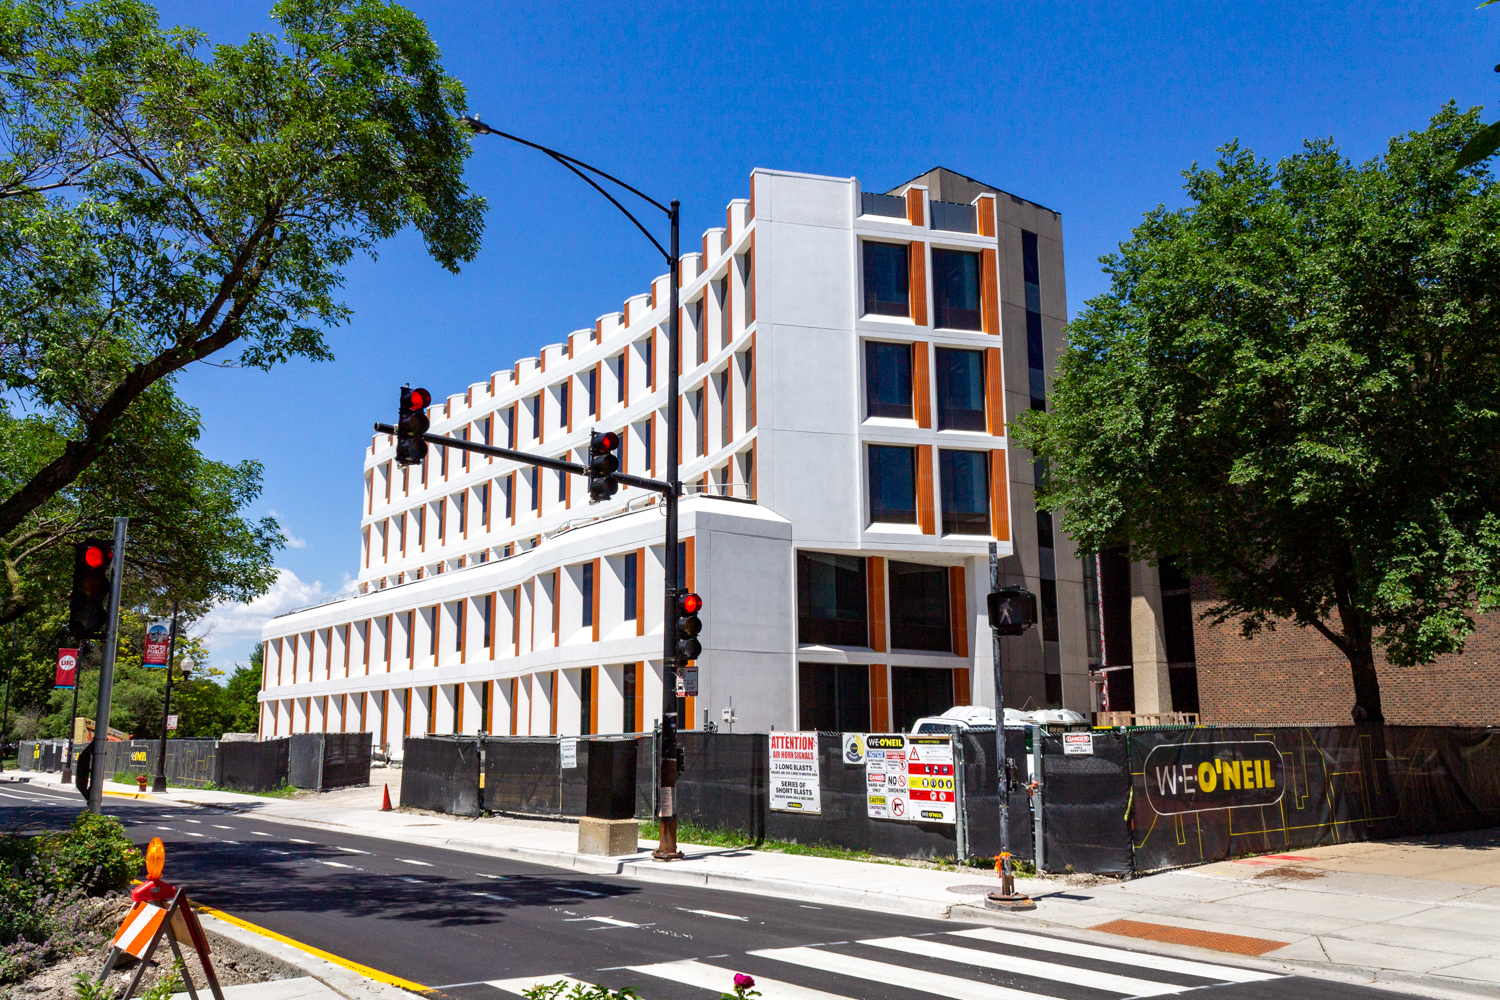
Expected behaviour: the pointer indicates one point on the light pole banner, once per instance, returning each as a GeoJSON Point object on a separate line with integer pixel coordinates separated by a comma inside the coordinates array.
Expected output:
{"type": "Point", "coordinates": [794, 773]}
{"type": "Point", "coordinates": [67, 668]}
{"type": "Point", "coordinates": [158, 637]}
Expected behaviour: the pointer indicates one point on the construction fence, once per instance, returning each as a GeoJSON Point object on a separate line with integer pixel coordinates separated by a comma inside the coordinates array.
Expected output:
{"type": "Point", "coordinates": [1116, 802]}
{"type": "Point", "coordinates": [311, 760]}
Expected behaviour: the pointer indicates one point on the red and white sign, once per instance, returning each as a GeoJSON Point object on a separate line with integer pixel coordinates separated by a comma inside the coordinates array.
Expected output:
{"type": "Point", "coordinates": [67, 668]}
{"type": "Point", "coordinates": [171, 722]}
{"type": "Point", "coordinates": [910, 778]}
{"type": "Point", "coordinates": [794, 774]}
{"type": "Point", "coordinates": [135, 934]}
{"type": "Point", "coordinates": [158, 642]}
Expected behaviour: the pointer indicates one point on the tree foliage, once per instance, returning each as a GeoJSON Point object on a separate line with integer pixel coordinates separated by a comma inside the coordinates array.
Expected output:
{"type": "Point", "coordinates": [1293, 387]}
{"type": "Point", "coordinates": [163, 201]}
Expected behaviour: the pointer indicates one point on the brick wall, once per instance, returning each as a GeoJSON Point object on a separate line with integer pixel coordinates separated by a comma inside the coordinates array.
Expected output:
{"type": "Point", "coordinates": [1295, 676]}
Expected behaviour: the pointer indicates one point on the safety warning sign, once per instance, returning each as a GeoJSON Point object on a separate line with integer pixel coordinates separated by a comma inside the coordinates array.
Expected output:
{"type": "Point", "coordinates": [910, 778]}
{"type": "Point", "coordinates": [794, 773]}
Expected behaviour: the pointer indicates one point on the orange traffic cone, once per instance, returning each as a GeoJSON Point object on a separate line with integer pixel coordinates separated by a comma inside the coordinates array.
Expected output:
{"type": "Point", "coordinates": [385, 805]}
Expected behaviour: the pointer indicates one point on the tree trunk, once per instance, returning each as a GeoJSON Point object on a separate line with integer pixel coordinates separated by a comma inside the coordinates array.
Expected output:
{"type": "Point", "coordinates": [1366, 681]}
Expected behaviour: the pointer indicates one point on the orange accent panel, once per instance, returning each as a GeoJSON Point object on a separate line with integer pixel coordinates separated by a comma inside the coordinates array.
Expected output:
{"type": "Point", "coordinates": [515, 697]}
{"type": "Point", "coordinates": [999, 497]}
{"type": "Point", "coordinates": [640, 691]}
{"type": "Point", "coordinates": [914, 206]}
{"type": "Point", "coordinates": [689, 559]}
{"type": "Point", "coordinates": [917, 269]}
{"type": "Point", "coordinates": [921, 381]}
{"type": "Point", "coordinates": [556, 614]}
{"type": "Point", "coordinates": [961, 686]}
{"type": "Point", "coordinates": [432, 709]}
{"type": "Point", "coordinates": [880, 698]}
{"type": "Point", "coordinates": [598, 389]}
{"type": "Point", "coordinates": [494, 613]}
{"type": "Point", "coordinates": [984, 207]}
{"type": "Point", "coordinates": [625, 375]}
{"type": "Point", "coordinates": [875, 601]}
{"type": "Point", "coordinates": [595, 602]}
{"type": "Point", "coordinates": [989, 292]}
{"type": "Point", "coordinates": [325, 713]}
{"type": "Point", "coordinates": [458, 707]}
{"type": "Point", "coordinates": [926, 515]}
{"type": "Point", "coordinates": [541, 415]}
{"type": "Point", "coordinates": [958, 611]}
{"type": "Point", "coordinates": [406, 722]}
{"type": "Point", "coordinates": [688, 710]}
{"type": "Point", "coordinates": [994, 390]}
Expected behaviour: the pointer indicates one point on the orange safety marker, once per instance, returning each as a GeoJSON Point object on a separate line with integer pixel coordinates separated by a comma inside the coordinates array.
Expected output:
{"type": "Point", "coordinates": [146, 923]}
{"type": "Point", "coordinates": [385, 806]}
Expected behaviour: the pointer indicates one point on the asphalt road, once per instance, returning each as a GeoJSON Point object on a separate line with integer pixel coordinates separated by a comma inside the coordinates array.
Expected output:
{"type": "Point", "coordinates": [479, 928]}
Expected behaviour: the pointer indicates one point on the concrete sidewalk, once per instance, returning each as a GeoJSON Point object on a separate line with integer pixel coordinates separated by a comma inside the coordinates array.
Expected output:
{"type": "Point", "coordinates": [1421, 914]}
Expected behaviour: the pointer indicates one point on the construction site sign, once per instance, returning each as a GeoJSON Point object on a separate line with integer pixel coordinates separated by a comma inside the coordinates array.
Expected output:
{"type": "Point", "coordinates": [910, 778]}
{"type": "Point", "coordinates": [794, 775]}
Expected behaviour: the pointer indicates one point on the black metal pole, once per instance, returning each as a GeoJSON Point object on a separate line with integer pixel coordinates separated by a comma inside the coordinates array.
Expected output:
{"type": "Point", "coordinates": [1006, 898]}
{"type": "Point", "coordinates": [666, 847]}
{"type": "Point", "coordinates": [160, 784]}
{"type": "Point", "coordinates": [107, 670]}
{"type": "Point", "coordinates": [10, 669]}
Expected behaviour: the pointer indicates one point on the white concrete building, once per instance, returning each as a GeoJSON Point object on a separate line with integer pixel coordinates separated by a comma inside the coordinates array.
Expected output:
{"type": "Point", "coordinates": [849, 363]}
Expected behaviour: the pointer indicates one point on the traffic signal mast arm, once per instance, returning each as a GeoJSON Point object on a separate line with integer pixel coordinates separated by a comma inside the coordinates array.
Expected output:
{"type": "Point", "coordinates": [547, 463]}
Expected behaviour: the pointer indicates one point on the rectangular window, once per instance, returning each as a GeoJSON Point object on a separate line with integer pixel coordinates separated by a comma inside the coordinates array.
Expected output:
{"type": "Point", "coordinates": [484, 431]}
{"type": "Point", "coordinates": [617, 364]}
{"type": "Point", "coordinates": [588, 595]}
{"type": "Point", "coordinates": [700, 414]}
{"type": "Point", "coordinates": [887, 279]}
{"type": "Point", "coordinates": [960, 390]}
{"type": "Point", "coordinates": [721, 387]}
{"type": "Point", "coordinates": [887, 380]}
{"type": "Point", "coordinates": [918, 692]}
{"type": "Point", "coordinates": [510, 428]}
{"type": "Point", "coordinates": [411, 633]}
{"type": "Point", "coordinates": [510, 501]}
{"type": "Point", "coordinates": [833, 697]}
{"type": "Point", "coordinates": [430, 616]}
{"type": "Point", "coordinates": [562, 404]}
{"type": "Point", "coordinates": [421, 525]}
{"type": "Point", "coordinates": [965, 479]}
{"type": "Point", "coordinates": [489, 611]}
{"type": "Point", "coordinates": [919, 608]}
{"type": "Point", "coordinates": [533, 479]}
{"type": "Point", "coordinates": [534, 412]}
{"type": "Point", "coordinates": [648, 359]}
{"type": "Point", "coordinates": [462, 499]}
{"type": "Point", "coordinates": [831, 600]}
{"type": "Point", "coordinates": [955, 289]}
{"type": "Point", "coordinates": [629, 686]}
{"type": "Point", "coordinates": [593, 381]}
{"type": "Point", "coordinates": [721, 293]}
{"type": "Point", "coordinates": [484, 504]}
{"type": "Point", "coordinates": [630, 589]}
{"type": "Point", "coordinates": [585, 701]}
{"type": "Point", "coordinates": [700, 325]}
{"type": "Point", "coordinates": [460, 622]}
{"type": "Point", "coordinates": [893, 485]}
{"type": "Point", "coordinates": [562, 482]}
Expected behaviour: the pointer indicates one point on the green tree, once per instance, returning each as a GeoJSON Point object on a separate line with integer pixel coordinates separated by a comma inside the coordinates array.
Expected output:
{"type": "Point", "coordinates": [162, 201]}
{"type": "Point", "coordinates": [1293, 387]}
{"type": "Point", "coordinates": [241, 694]}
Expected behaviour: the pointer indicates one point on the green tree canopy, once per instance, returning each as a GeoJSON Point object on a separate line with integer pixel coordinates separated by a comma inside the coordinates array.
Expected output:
{"type": "Point", "coordinates": [162, 201]}
{"type": "Point", "coordinates": [1293, 387]}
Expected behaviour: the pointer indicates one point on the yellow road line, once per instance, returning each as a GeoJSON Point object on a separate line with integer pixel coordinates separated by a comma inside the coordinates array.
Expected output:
{"type": "Point", "coordinates": [363, 970]}
{"type": "Point", "coordinates": [129, 795]}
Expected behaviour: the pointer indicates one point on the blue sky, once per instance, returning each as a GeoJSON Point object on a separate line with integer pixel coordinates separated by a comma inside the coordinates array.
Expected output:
{"type": "Point", "coordinates": [1092, 110]}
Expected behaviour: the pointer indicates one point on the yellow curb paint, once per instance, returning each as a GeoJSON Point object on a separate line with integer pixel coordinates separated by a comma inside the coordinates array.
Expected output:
{"type": "Point", "coordinates": [363, 970]}
{"type": "Point", "coordinates": [129, 795]}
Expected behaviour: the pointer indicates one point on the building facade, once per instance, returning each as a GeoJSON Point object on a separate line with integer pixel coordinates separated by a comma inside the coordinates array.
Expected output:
{"type": "Point", "coordinates": [850, 361]}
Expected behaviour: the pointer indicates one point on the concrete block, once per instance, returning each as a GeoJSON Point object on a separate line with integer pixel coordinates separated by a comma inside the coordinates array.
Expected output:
{"type": "Point", "coordinates": [608, 837]}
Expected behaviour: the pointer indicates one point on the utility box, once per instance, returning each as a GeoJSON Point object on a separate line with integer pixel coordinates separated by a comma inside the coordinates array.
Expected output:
{"type": "Point", "coordinates": [611, 787]}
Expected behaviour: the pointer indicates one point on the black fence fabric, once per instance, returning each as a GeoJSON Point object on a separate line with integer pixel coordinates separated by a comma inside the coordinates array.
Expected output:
{"type": "Point", "coordinates": [346, 759]}
{"type": "Point", "coordinates": [1207, 794]}
{"type": "Point", "coordinates": [40, 755]}
{"type": "Point", "coordinates": [1086, 806]}
{"type": "Point", "coordinates": [190, 763]}
{"type": "Point", "coordinates": [441, 773]}
{"type": "Point", "coordinates": [254, 767]}
{"type": "Point", "coordinates": [981, 795]}
{"type": "Point", "coordinates": [524, 774]}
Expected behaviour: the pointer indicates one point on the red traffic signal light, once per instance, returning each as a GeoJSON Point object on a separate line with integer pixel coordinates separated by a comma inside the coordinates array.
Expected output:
{"type": "Point", "coordinates": [410, 448]}
{"type": "Point", "coordinates": [420, 399]}
{"type": "Point", "coordinates": [603, 463]}
{"type": "Point", "coordinates": [690, 604]}
{"type": "Point", "coordinates": [94, 556]}
{"type": "Point", "coordinates": [88, 611]}
{"type": "Point", "coordinates": [689, 625]}
{"type": "Point", "coordinates": [604, 443]}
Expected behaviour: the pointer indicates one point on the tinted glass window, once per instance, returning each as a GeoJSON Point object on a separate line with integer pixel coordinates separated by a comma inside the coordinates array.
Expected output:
{"type": "Point", "coordinates": [887, 380]}
{"type": "Point", "coordinates": [919, 609]}
{"type": "Point", "coordinates": [630, 591]}
{"type": "Point", "coordinates": [965, 478]}
{"type": "Point", "coordinates": [831, 600]}
{"type": "Point", "coordinates": [955, 289]}
{"type": "Point", "coordinates": [833, 697]}
{"type": "Point", "coordinates": [886, 280]}
{"type": "Point", "coordinates": [960, 390]}
{"type": "Point", "coordinates": [918, 692]}
{"type": "Point", "coordinates": [893, 492]}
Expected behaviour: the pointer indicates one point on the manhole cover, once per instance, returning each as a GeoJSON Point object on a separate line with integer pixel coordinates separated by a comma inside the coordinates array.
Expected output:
{"type": "Point", "coordinates": [973, 890]}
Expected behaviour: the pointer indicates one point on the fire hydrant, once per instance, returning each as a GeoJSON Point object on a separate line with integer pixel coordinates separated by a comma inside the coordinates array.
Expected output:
{"type": "Point", "coordinates": [140, 780]}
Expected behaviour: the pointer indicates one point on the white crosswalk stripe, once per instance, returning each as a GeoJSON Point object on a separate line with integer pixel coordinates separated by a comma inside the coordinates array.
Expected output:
{"type": "Point", "coordinates": [713, 977]}
{"type": "Point", "coordinates": [897, 975]}
{"type": "Point", "coordinates": [1141, 960]}
{"type": "Point", "coordinates": [521, 984]}
{"type": "Point", "coordinates": [1125, 985]}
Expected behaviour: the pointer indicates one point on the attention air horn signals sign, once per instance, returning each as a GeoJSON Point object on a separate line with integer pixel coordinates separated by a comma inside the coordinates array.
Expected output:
{"type": "Point", "coordinates": [1198, 777]}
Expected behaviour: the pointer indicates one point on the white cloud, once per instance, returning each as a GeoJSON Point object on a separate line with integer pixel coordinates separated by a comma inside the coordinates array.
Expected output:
{"type": "Point", "coordinates": [233, 628]}
{"type": "Point", "coordinates": [293, 542]}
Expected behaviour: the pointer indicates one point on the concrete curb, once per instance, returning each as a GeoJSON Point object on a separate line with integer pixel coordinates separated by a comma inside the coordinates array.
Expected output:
{"type": "Point", "coordinates": [342, 981]}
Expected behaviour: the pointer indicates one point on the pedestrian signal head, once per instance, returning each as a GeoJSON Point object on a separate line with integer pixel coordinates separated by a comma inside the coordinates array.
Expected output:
{"type": "Point", "coordinates": [410, 448]}
{"type": "Point", "coordinates": [1012, 610]}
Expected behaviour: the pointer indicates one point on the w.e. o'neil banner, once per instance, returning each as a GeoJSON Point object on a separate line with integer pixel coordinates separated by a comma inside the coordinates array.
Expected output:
{"type": "Point", "coordinates": [1197, 777]}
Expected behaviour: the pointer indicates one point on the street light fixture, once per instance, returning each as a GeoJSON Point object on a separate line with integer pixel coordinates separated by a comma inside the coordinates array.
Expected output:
{"type": "Point", "coordinates": [666, 849]}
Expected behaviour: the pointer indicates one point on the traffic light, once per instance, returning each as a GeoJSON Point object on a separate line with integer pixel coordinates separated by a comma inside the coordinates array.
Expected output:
{"type": "Point", "coordinates": [602, 463]}
{"type": "Point", "coordinates": [1012, 610]}
{"type": "Point", "coordinates": [689, 625]}
{"type": "Point", "coordinates": [89, 609]}
{"type": "Point", "coordinates": [410, 448]}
